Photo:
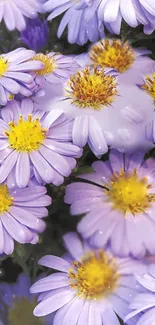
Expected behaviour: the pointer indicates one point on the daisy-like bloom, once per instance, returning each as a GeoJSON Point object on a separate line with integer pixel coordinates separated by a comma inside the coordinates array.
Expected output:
{"type": "Point", "coordinates": [21, 213]}
{"type": "Point", "coordinates": [148, 84]}
{"type": "Point", "coordinates": [80, 17]}
{"type": "Point", "coordinates": [36, 34]}
{"type": "Point", "coordinates": [130, 63]}
{"type": "Point", "coordinates": [56, 68]}
{"type": "Point", "coordinates": [140, 11]}
{"type": "Point", "coordinates": [14, 12]}
{"type": "Point", "coordinates": [15, 77]}
{"type": "Point", "coordinates": [35, 142]}
{"type": "Point", "coordinates": [119, 206]}
{"type": "Point", "coordinates": [95, 98]}
{"type": "Point", "coordinates": [143, 304]}
{"type": "Point", "coordinates": [17, 304]}
{"type": "Point", "coordinates": [91, 287]}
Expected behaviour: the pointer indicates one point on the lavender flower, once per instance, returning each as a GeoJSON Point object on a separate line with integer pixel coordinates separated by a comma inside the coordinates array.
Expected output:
{"type": "Point", "coordinates": [15, 77]}
{"type": "Point", "coordinates": [143, 305]}
{"type": "Point", "coordinates": [98, 101]}
{"type": "Point", "coordinates": [119, 206]}
{"type": "Point", "coordinates": [80, 18]}
{"type": "Point", "coordinates": [21, 213]}
{"type": "Point", "coordinates": [36, 34]}
{"type": "Point", "coordinates": [139, 12]}
{"type": "Point", "coordinates": [86, 19]}
{"type": "Point", "coordinates": [35, 142]}
{"type": "Point", "coordinates": [130, 63]}
{"type": "Point", "coordinates": [14, 12]}
{"type": "Point", "coordinates": [17, 304]}
{"type": "Point", "coordinates": [91, 287]}
{"type": "Point", "coordinates": [57, 68]}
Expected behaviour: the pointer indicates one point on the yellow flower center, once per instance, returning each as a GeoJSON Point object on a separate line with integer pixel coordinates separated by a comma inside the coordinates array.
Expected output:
{"type": "Point", "coordinates": [49, 64]}
{"type": "Point", "coordinates": [3, 66]}
{"type": "Point", "coordinates": [21, 313]}
{"type": "Point", "coordinates": [114, 54]}
{"type": "Point", "coordinates": [128, 193]}
{"type": "Point", "coordinates": [149, 85]}
{"type": "Point", "coordinates": [11, 97]}
{"type": "Point", "coordinates": [26, 136]}
{"type": "Point", "coordinates": [92, 88]}
{"type": "Point", "coordinates": [5, 199]}
{"type": "Point", "coordinates": [96, 276]}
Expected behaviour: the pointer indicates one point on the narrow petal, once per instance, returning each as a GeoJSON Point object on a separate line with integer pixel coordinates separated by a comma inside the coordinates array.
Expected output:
{"type": "Point", "coordinates": [73, 245]}
{"type": "Point", "coordinates": [53, 281]}
{"type": "Point", "coordinates": [80, 138]}
{"type": "Point", "coordinates": [53, 303]}
{"type": "Point", "coordinates": [23, 170]}
{"type": "Point", "coordinates": [54, 262]}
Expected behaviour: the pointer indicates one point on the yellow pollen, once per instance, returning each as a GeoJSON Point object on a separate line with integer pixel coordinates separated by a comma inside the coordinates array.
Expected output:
{"type": "Point", "coordinates": [92, 88]}
{"type": "Point", "coordinates": [21, 313]}
{"type": "Point", "coordinates": [49, 64]}
{"type": "Point", "coordinates": [149, 85]}
{"type": "Point", "coordinates": [3, 66]}
{"type": "Point", "coordinates": [5, 199]}
{"type": "Point", "coordinates": [128, 193]}
{"type": "Point", "coordinates": [96, 276]}
{"type": "Point", "coordinates": [11, 97]}
{"type": "Point", "coordinates": [26, 135]}
{"type": "Point", "coordinates": [114, 54]}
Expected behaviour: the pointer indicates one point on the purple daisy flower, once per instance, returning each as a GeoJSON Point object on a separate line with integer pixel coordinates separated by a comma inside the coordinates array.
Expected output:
{"type": "Point", "coordinates": [35, 142]}
{"type": "Point", "coordinates": [143, 304]}
{"type": "Point", "coordinates": [96, 99]}
{"type": "Point", "coordinates": [92, 287]}
{"type": "Point", "coordinates": [57, 68]}
{"type": "Point", "coordinates": [119, 206]}
{"type": "Point", "coordinates": [17, 304]}
{"type": "Point", "coordinates": [14, 12]}
{"type": "Point", "coordinates": [21, 213]}
{"type": "Point", "coordinates": [80, 18]}
{"type": "Point", "coordinates": [36, 34]}
{"type": "Point", "coordinates": [139, 11]}
{"type": "Point", "coordinates": [15, 77]}
{"type": "Point", "coordinates": [130, 63]}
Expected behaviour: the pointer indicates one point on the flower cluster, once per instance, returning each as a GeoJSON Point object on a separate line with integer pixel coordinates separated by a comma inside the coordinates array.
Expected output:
{"type": "Point", "coordinates": [36, 146]}
{"type": "Point", "coordinates": [52, 107]}
{"type": "Point", "coordinates": [90, 17]}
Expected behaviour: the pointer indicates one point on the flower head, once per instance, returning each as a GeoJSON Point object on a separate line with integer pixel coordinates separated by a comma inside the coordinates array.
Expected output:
{"type": "Point", "coordinates": [148, 84]}
{"type": "Point", "coordinates": [15, 77]}
{"type": "Point", "coordinates": [21, 213]}
{"type": "Point", "coordinates": [37, 143]}
{"type": "Point", "coordinates": [119, 55]}
{"type": "Point", "coordinates": [36, 34]}
{"type": "Point", "coordinates": [80, 17]}
{"type": "Point", "coordinates": [92, 284]}
{"type": "Point", "coordinates": [119, 206]}
{"type": "Point", "coordinates": [14, 12]}
{"type": "Point", "coordinates": [57, 68]}
{"type": "Point", "coordinates": [17, 304]}
{"type": "Point", "coordinates": [142, 306]}
{"type": "Point", "coordinates": [96, 97]}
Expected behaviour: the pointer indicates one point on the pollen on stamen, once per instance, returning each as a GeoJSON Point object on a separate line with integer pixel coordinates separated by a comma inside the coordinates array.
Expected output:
{"type": "Point", "coordinates": [3, 66]}
{"type": "Point", "coordinates": [95, 276]}
{"type": "Point", "coordinates": [149, 85]}
{"type": "Point", "coordinates": [6, 200]}
{"type": "Point", "coordinates": [113, 54]}
{"type": "Point", "coordinates": [128, 193]}
{"type": "Point", "coordinates": [91, 88]}
{"type": "Point", "coordinates": [25, 135]}
{"type": "Point", "coordinates": [49, 64]}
